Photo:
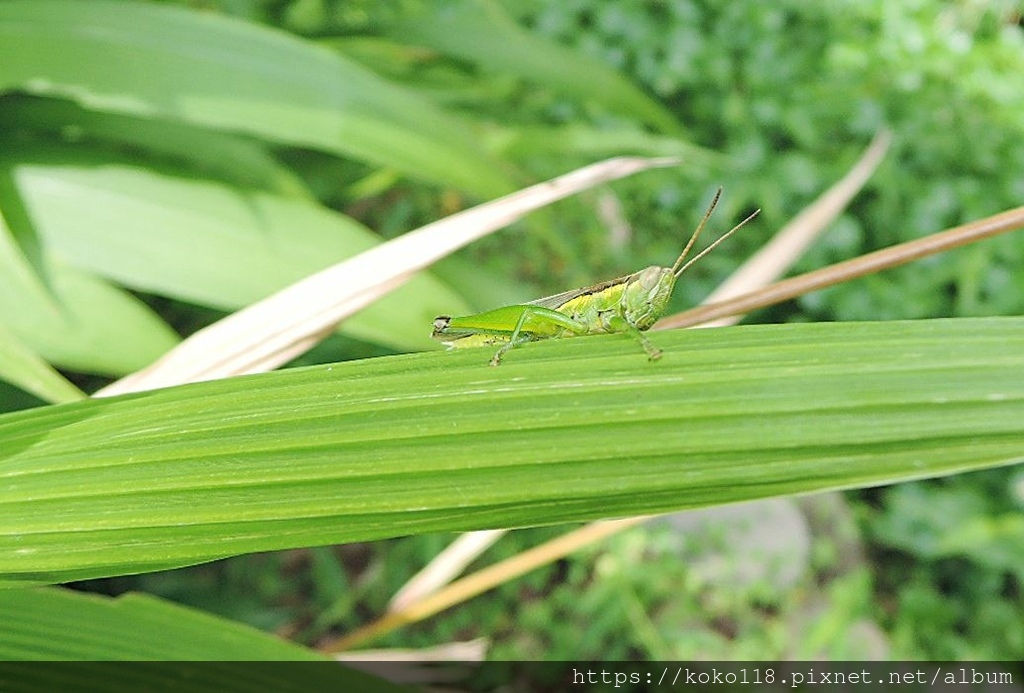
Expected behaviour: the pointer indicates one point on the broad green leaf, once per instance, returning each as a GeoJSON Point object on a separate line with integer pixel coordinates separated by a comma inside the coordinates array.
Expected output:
{"type": "Point", "coordinates": [566, 430]}
{"type": "Point", "coordinates": [21, 366]}
{"type": "Point", "coordinates": [18, 237]}
{"type": "Point", "coordinates": [479, 31]}
{"type": "Point", "coordinates": [583, 141]}
{"type": "Point", "coordinates": [137, 631]}
{"type": "Point", "coordinates": [193, 676]}
{"type": "Point", "coordinates": [172, 63]}
{"type": "Point", "coordinates": [59, 314]}
{"type": "Point", "coordinates": [205, 242]}
{"type": "Point", "coordinates": [54, 623]}
{"type": "Point", "coordinates": [78, 322]}
{"type": "Point", "coordinates": [231, 158]}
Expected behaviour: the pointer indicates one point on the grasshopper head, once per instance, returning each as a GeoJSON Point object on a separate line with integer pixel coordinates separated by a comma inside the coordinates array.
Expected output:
{"type": "Point", "coordinates": [646, 295]}
{"type": "Point", "coordinates": [440, 325]}
{"type": "Point", "coordinates": [647, 292]}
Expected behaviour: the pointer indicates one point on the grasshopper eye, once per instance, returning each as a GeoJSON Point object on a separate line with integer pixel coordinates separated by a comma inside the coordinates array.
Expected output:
{"type": "Point", "coordinates": [441, 322]}
{"type": "Point", "coordinates": [652, 277]}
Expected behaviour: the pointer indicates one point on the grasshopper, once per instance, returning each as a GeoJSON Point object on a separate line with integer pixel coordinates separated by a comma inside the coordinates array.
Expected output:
{"type": "Point", "coordinates": [629, 305]}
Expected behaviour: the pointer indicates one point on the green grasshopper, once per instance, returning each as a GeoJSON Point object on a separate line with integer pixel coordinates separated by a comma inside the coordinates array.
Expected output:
{"type": "Point", "coordinates": [630, 305]}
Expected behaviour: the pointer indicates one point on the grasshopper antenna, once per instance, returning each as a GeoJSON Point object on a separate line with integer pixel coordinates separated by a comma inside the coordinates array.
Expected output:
{"type": "Point", "coordinates": [676, 268]}
{"type": "Point", "coordinates": [693, 237]}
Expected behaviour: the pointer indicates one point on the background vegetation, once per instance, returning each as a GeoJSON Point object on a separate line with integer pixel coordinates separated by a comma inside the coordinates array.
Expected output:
{"type": "Point", "coordinates": [458, 101]}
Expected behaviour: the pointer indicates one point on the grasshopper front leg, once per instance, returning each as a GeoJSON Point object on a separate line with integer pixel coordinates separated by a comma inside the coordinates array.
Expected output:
{"type": "Point", "coordinates": [617, 323]}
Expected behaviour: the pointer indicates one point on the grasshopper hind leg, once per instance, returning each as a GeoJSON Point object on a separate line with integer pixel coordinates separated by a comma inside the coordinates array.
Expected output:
{"type": "Point", "coordinates": [527, 328]}
{"type": "Point", "coordinates": [516, 339]}
{"type": "Point", "coordinates": [496, 359]}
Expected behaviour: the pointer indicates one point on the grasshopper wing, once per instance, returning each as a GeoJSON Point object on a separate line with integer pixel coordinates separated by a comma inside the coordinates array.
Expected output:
{"type": "Point", "coordinates": [556, 301]}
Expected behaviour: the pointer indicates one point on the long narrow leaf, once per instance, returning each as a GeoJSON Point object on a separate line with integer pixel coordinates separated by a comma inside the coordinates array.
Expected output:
{"type": "Point", "coordinates": [53, 623]}
{"type": "Point", "coordinates": [230, 158]}
{"type": "Point", "coordinates": [134, 632]}
{"type": "Point", "coordinates": [563, 431]}
{"type": "Point", "coordinates": [479, 31]}
{"type": "Point", "coordinates": [201, 241]}
{"type": "Point", "coordinates": [208, 70]}
{"type": "Point", "coordinates": [21, 366]}
{"type": "Point", "coordinates": [86, 324]}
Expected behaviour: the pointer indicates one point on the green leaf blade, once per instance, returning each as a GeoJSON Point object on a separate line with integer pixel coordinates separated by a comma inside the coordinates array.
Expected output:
{"type": "Point", "coordinates": [21, 366]}
{"type": "Point", "coordinates": [479, 31]}
{"type": "Point", "coordinates": [567, 430]}
{"type": "Point", "coordinates": [211, 71]}
{"type": "Point", "coordinates": [204, 242]}
{"type": "Point", "coordinates": [63, 624]}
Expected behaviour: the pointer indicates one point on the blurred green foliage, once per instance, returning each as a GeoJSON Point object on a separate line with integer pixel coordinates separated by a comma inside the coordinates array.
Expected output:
{"type": "Point", "coordinates": [789, 93]}
{"type": "Point", "coordinates": [952, 559]}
